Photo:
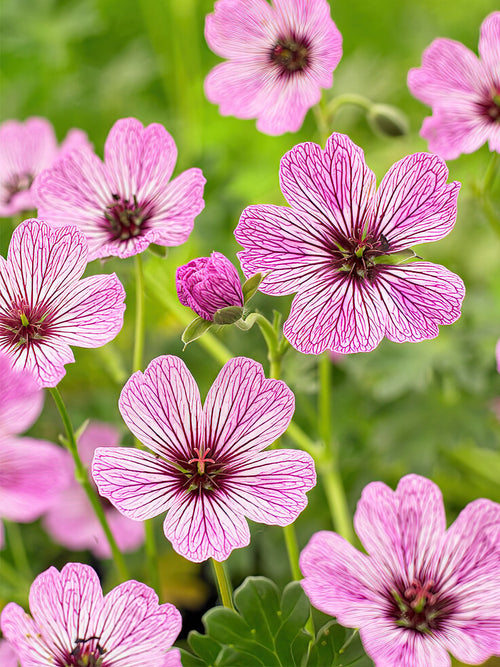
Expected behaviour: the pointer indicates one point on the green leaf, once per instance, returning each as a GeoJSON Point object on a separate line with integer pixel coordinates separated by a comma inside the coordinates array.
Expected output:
{"type": "Point", "coordinates": [251, 285]}
{"type": "Point", "coordinates": [207, 648]}
{"type": "Point", "coordinates": [295, 610]}
{"type": "Point", "coordinates": [258, 601]}
{"type": "Point", "coordinates": [232, 657]}
{"type": "Point", "coordinates": [195, 329]}
{"type": "Point", "coordinates": [190, 660]}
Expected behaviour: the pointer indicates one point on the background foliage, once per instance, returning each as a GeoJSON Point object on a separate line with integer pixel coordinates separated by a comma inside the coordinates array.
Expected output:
{"type": "Point", "coordinates": [431, 408]}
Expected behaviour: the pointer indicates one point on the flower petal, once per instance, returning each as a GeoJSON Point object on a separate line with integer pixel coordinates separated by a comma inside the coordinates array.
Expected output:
{"type": "Point", "coordinates": [489, 43]}
{"type": "Point", "coordinates": [245, 412]}
{"type": "Point", "coordinates": [414, 204]}
{"type": "Point", "coordinates": [134, 628]}
{"type": "Point", "coordinates": [339, 580]}
{"type": "Point", "coordinates": [206, 525]}
{"type": "Point", "coordinates": [24, 635]}
{"type": "Point", "coordinates": [137, 483]}
{"type": "Point", "coordinates": [45, 361]}
{"type": "Point", "coordinates": [237, 87]}
{"type": "Point", "coordinates": [21, 398]}
{"type": "Point", "coordinates": [334, 186]}
{"type": "Point", "coordinates": [162, 407]}
{"type": "Point", "coordinates": [418, 297]}
{"type": "Point", "coordinates": [270, 488]}
{"type": "Point", "coordinates": [401, 529]}
{"type": "Point", "coordinates": [455, 130]}
{"type": "Point", "coordinates": [335, 312]}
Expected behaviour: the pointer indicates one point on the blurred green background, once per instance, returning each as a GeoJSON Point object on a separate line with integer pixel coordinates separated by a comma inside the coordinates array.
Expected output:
{"type": "Point", "coordinates": [431, 408]}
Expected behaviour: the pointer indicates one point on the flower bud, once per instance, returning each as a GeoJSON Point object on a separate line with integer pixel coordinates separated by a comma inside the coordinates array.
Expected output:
{"type": "Point", "coordinates": [209, 284]}
{"type": "Point", "coordinates": [387, 120]}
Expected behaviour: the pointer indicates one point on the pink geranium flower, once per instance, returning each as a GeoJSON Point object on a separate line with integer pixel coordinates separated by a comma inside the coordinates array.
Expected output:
{"type": "Point", "coordinates": [32, 472]}
{"type": "Point", "coordinates": [45, 307]}
{"type": "Point", "coordinates": [207, 284]}
{"type": "Point", "coordinates": [497, 351]}
{"type": "Point", "coordinates": [8, 657]}
{"type": "Point", "coordinates": [422, 590]}
{"type": "Point", "coordinates": [127, 202]}
{"type": "Point", "coordinates": [279, 57]}
{"type": "Point", "coordinates": [207, 470]}
{"type": "Point", "coordinates": [463, 91]}
{"type": "Point", "coordinates": [74, 624]}
{"type": "Point", "coordinates": [333, 248]}
{"type": "Point", "coordinates": [73, 507]}
{"type": "Point", "coordinates": [25, 150]}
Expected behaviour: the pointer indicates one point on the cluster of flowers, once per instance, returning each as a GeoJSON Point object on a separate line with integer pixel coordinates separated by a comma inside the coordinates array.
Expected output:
{"type": "Point", "coordinates": [421, 590]}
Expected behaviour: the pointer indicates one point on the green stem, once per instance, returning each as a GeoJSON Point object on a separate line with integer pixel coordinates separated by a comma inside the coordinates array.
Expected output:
{"type": "Point", "coordinates": [336, 498]}
{"type": "Point", "coordinates": [491, 173]}
{"type": "Point", "coordinates": [489, 180]}
{"type": "Point", "coordinates": [82, 477]}
{"type": "Point", "coordinates": [223, 584]}
{"type": "Point", "coordinates": [18, 550]}
{"type": "Point", "coordinates": [325, 398]}
{"type": "Point", "coordinates": [11, 576]}
{"type": "Point", "coordinates": [347, 98]}
{"type": "Point", "coordinates": [292, 550]}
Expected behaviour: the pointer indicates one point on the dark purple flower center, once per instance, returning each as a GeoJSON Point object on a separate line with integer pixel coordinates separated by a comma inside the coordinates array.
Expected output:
{"type": "Point", "coordinates": [201, 471]}
{"type": "Point", "coordinates": [17, 183]}
{"type": "Point", "coordinates": [419, 607]}
{"type": "Point", "coordinates": [356, 256]}
{"type": "Point", "coordinates": [290, 54]}
{"type": "Point", "coordinates": [490, 108]}
{"type": "Point", "coordinates": [126, 217]}
{"type": "Point", "coordinates": [25, 325]}
{"type": "Point", "coordinates": [86, 653]}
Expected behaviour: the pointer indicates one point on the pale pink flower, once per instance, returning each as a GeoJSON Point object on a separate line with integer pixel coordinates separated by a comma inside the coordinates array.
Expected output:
{"type": "Point", "coordinates": [8, 657]}
{"type": "Point", "coordinates": [279, 56]}
{"type": "Point", "coordinates": [72, 521]}
{"type": "Point", "coordinates": [25, 150]}
{"type": "Point", "coordinates": [207, 284]}
{"type": "Point", "coordinates": [72, 622]}
{"type": "Point", "coordinates": [127, 202]}
{"type": "Point", "coordinates": [32, 472]}
{"type": "Point", "coordinates": [45, 307]}
{"type": "Point", "coordinates": [208, 469]}
{"type": "Point", "coordinates": [497, 351]}
{"type": "Point", "coordinates": [332, 248]}
{"type": "Point", "coordinates": [422, 590]}
{"type": "Point", "coordinates": [463, 91]}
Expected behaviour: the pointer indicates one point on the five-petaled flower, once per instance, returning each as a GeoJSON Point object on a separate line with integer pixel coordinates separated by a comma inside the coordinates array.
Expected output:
{"type": "Point", "coordinates": [128, 202]}
{"type": "Point", "coordinates": [463, 91]}
{"type": "Point", "coordinates": [74, 625]}
{"type": "Point", "coordinates": [278, 58]}
{"type": "Point", "coordinates": [25, 150]}
{"type": "Point", "coordinates": [207, 284]}
{"type": "Point", "coordinates": [333, 247]}
{"type": "Point", "coordinates": [208, 470]}
{"type": "Point", "coordinates": [45, 307]}
{"type": "Point", "coordinates": [72, 521]}
{"type": "Point", "coordinates": [422, 590]}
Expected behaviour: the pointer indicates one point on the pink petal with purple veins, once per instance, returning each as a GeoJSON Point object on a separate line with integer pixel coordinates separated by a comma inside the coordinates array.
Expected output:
{"type": "Point", "coordinates": [244, 411]}
{"type": "Point", "coordinates": [21, 398]}
{"type": "Point", "coordinates": [237, 87]}
{"type": "Point", "coordinates": [135, 628]}
{"type": "Point", "coordinates": [414, 204]}
{"type": "Point", "coordinates": [96, 434]}
{"type": "Point", "coordinates": [401, 529]}
{"type": "Point", "coordinates": [271, 488]}
{"type": "Point", "coordinates": [334, 186]}
{"type": "Point", "coordinates": [489, 43]}
{"type": "Point", "coordinates": [32, 474]}
{"type": "Point", "coordinates": [453, 131]}
{"type": "Point", "coordinates": [335, 313]}
{"type": "Point", "coordinates": [162, 407]}
{"type": "Point", "coordinates": [23, 633]}
{"type": "Point", "coordinates": [339, 580]}
{"type": "Point", "coordinates": [417, 297]}
{"type": "Point", "coordinates": [139, 484]}
{"type": "Point", "coordinates": [206, 526]}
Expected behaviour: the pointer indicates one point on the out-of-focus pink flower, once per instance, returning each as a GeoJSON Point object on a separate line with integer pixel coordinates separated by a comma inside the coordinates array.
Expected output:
{"type": "Point", "coordinates": [497, 350]}
{"type": "Point", "coordinates": [422, 590]}
{"type": "Point", "coordinates": [463, 91]}
{"type": "Point", "coordinates": [45, 307]}
{"type": "Point", "coordinates": [208, 470]}
{"type": "Point", "coordinates": [8, 657]}
{"type": "Point", "coordinates": [72, 521]}
{"type": "Point", "coordinates": [72, 622]}
{"type": "Point", "coordinates": [279, 57]}
{"type": "Point", "coordinates": [207, 284]}
{"type": "Point", "coordinates": [25, 150]}
{"type": "Point", "coordinates": [32, 472]}
{"type": "Point", "coordinates": [341, 242]}
{"type": "Point", "coordinates": [127, 202]}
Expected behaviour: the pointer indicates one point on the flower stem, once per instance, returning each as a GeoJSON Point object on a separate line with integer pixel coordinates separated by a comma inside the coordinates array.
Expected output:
{"type": "Point", "coordinates": [484, 193]}
{"type": "Point", "coordinates": [223, 584]}
{"type": "Point", "coordinates": [81, 475]}
{"type": "Point", "coordinates": [140, 324]}
{"type": "Point", "coordinates": [17, 548]}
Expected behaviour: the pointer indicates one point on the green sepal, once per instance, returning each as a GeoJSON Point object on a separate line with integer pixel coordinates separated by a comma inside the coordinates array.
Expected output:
{"type": "Point", "coordinates": [228, 315]}
{"type": "Point", "coordinates": [159, 250]}
{"type": "Point", "coordinates": [251, 285]}
{"type": "Point", "coordinates": [248, 322]}
{"type": "Point", "coordinates": [195, 329]}
{"type": "Point", "coordinates": [81, 429]}
{"type": "Point", "coordinates": [395, 257]}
